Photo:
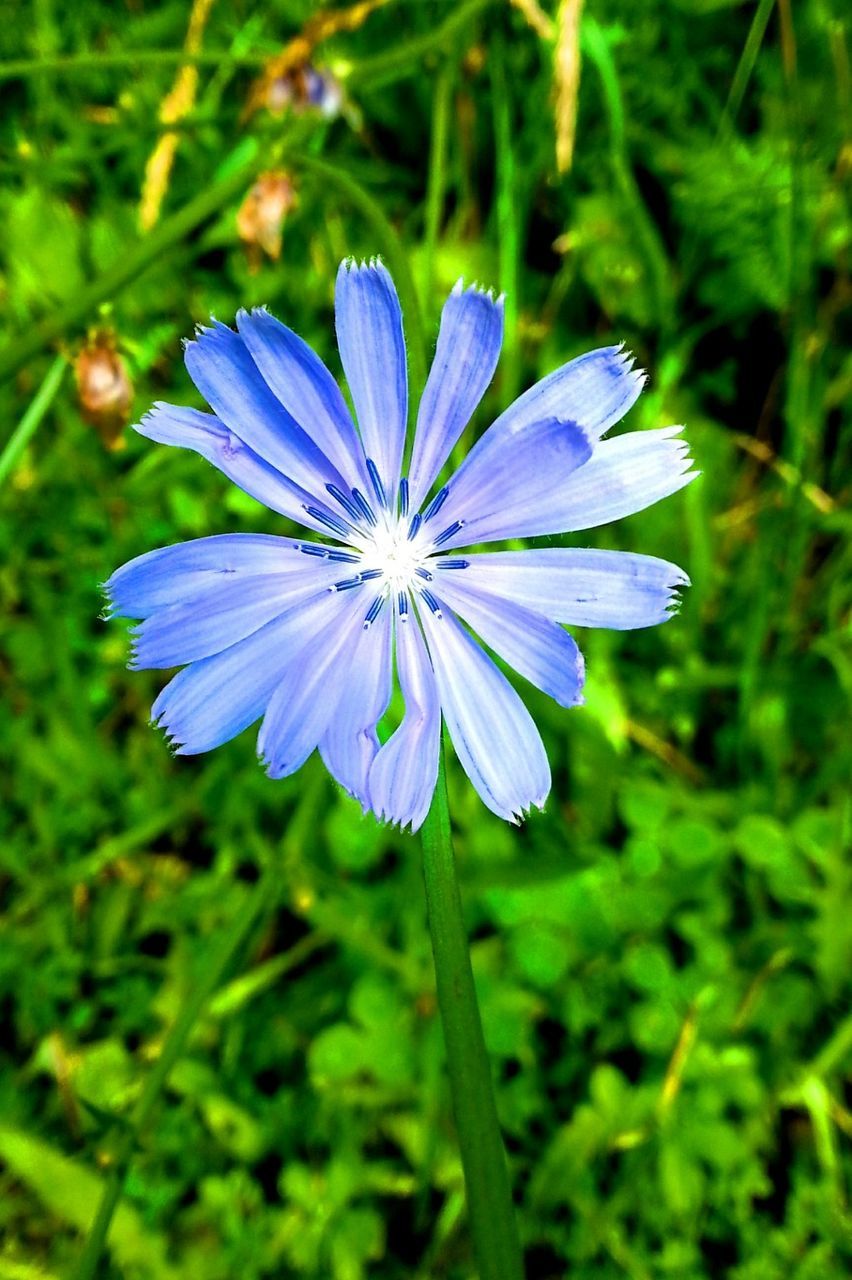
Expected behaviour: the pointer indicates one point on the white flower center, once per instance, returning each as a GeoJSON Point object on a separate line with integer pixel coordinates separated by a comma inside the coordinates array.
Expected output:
{"type": "Point", "coordinates": [398, 556]}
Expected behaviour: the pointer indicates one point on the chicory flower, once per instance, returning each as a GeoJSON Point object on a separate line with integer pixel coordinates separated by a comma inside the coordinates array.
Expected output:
{"type": "Point", "coordinates": [312, 635]}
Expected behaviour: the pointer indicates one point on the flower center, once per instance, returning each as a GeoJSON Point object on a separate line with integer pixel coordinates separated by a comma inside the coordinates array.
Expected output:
{"type": "Point", "coordinates": [391, 550]}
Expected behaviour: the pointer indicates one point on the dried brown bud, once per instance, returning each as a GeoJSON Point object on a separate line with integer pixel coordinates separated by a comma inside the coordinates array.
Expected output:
{"type": "Point", "coordinates": [260, 220]}
{"type": "Point", "coordinates": [104, 388]}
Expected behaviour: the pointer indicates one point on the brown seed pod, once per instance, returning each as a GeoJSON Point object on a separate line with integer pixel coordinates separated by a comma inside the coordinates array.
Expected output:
{"type": "Point", "coordinates": [104, 388]}
{"type": "Point", "coordinates": [260, 220]}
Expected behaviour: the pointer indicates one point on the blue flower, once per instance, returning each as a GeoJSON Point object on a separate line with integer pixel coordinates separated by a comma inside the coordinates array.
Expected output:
{"type": "Point", "coordinates": [312, 635]}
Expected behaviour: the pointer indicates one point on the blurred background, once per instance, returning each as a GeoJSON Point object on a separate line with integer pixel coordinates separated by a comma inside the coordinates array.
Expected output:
{"type": "Point", "coordinates": [663, 956]}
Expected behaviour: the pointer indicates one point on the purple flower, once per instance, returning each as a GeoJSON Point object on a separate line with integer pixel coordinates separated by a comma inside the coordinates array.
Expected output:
{"type": "Point", "coordinates": [311, 635]}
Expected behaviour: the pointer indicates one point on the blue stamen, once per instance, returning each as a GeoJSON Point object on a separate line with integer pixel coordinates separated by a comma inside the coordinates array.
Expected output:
{"type": "Point", "coordinates": [414, 527]}
{"type": "Point", "coordinates": [364, 506]}
{"type": "Point", "coordinates": [448, 532]}
{"type": "Point", "coordinates": [451, 564]}
{"type": "Point", "coordinates": [331, 522]}
{"type": "Point", "coordinates": [346, 584]}
{"type": "Point", "coordinates": [314, 551]}
{"type": "Point", "coordinates": [432, 602]}
{"type": "Point", "coordinates": [346, 503]}
{"type": "Point", "coordinates": [402, 604]}
{"type": "Point", "coordinates": [437, 502]}
{"type": "Point", "coordinates": [403, 497]}
{"type": "Point", "coordinates": [424, 574]}
{"type": "Point", "coordinates": [342, 557]}
{"type": "Point", "coordinates": [369, 574]}
{"type": "Point", "coordinates": [376, 479]}
{"type": "Point", "coordinates": [374, 611]}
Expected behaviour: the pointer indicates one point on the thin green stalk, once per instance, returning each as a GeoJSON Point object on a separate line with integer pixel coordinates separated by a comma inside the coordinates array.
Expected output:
{"type": "Point", "coordinates": [745, 66]}
{"type": "Point", "coordinates": [508, 219]}
{"type": "Point", "coordinates": [437, 173]}
{"type": "Point", "coordinates": [119, 59]}
{"type": "Point", "coordinates": [169, 233]}
{"type": "Point", "coordinates": [26, 428]}
{"type": "Point", "coordinates": [390, 245]}
{"type": "Point", "coordinates": [489, 1196]}
{"type": "Point", "coordinates": [209, 979]}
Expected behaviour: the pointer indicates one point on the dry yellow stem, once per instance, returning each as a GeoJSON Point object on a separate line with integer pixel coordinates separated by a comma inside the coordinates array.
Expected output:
{"type": "Point", "coordinates": [174, 106]}
{"type": "Point", "coordinates": [566, 80]}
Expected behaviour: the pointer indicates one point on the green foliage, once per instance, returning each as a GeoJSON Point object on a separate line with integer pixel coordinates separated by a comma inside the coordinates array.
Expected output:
{"type": "Point", "coordinates": [663, 956]}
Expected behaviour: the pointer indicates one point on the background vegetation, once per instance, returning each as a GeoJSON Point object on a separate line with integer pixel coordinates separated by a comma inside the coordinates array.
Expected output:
{"type": "Point", "coordinates": [664, 955]}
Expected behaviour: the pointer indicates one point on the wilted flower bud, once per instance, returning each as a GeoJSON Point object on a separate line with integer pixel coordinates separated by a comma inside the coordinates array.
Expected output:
{"type": "Point", "coordinates": [104, 387]}
{"type": "Point", "coordinates": [302, 89]}
{"type": "Point", "coordinates": [260, 220]}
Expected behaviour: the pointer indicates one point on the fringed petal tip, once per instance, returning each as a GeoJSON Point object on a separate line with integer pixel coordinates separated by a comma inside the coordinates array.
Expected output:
{"type": "Point", "coordinates": [478, 290]}
{"type": "Point", "coordinates": [521, 815]}
{"type": "Point", "coordinates": [354, 266]}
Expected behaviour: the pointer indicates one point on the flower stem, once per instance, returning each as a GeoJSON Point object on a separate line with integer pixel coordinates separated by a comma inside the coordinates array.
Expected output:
{"type": "Point", "coordinates": [27, 427]}
{"type": "Point", "coordinates": [210, 976]}
{"type": "Point", "coordinates": [489, 1196]}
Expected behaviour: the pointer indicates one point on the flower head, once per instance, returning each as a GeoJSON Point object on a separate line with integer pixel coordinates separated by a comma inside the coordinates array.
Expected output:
{"type": "Point", "coordinates": [310, 635]}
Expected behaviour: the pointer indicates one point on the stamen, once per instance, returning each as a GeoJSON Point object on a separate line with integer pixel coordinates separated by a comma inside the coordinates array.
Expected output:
{"type": "Point", "coordinates": [403, 497]}
{"type": "Point", "coordinates": [376, 479]}
{"type": "Point", "coordinates": [368, 574]}
{"type": "Point", "coordinates": [315, 551]}
{"type": "Point", "coordinates": [432, 603]}
{"type": "Point", "coordinates": [373, 612]}
{"type": "Point", "coordinates": [346, 503]}
{"type": "Point", "coordinates": [450, 564]}
{"type": "Point", "coordinates": [342, 557]}
{"type": "Point", "coordinates": [450, 530]}
{"type": "Point", "coordinates": [364, 506]}
{"type": "Point", "coordinates": [423, 573]}
{"type": "Point", "coordinates": [437, 502]}
{"type": "Point", "coordinates": [414, 527]}
{"type": "Point", "coordinates": [402, 605]}
{"type": "Point", "coordinates": [331, 522]}
{"type": "Point", "coordinates": [346, 584]}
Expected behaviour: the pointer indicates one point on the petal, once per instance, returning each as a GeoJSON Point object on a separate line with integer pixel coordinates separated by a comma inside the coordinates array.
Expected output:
{"type": "Point", "coordinates": [538, 649]}
{"type": "Point", "coordinates": [595, 391]}
{"type": "Point", "coordinates": [223, 615]}
{"type": "Point", "coordinates": [307, 697]}
{"type": "Point", "coordinates": [206, 435]}
{"type": "Point", "coordinates": [495, 738]}
{"type": "Point", "coordinates": [350, 743]}
{"type": "Point", "coordinates": [215, 699]}
{"type": "Point", "coordinates": [221, 367]}
{"type": "Point", "coordinates": [508, 489]}
{"type": "Point", "coordinates": [303, 384]}
{"type": "Point", "coordinates": [465, 359]}
{"type": "Point", "coordinates": [177, 574]}
{"type": "Point", "coordinates": [372, 347]}
{"type": "Point", "coordinates": [616, 589]}
{"type": "Point", "coordinates": [402, 776]}
{"type": "Point", "coordinates": [625, 475]}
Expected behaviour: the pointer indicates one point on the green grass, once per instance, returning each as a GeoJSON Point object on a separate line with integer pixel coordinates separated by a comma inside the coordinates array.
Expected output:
{"type": "Point", "coordinates": [663, 956]}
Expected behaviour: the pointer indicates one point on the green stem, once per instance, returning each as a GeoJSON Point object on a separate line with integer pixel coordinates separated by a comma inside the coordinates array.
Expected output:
{"type": "Point", "coordinates": [393, 251]}
{"type": "Point", "coordinates": [508, 219]}
{"type": "Point", "coordinates": [745, 66]}
{"type": "Point", "coordinates": [437, 173]}
{"type": "Point", "coordinates": [131, 264]}
{"type": "Point", "coordinates": [26, 428]}
{"type": "Point", "coordinates": [221, 953]}
{"type": "Point", "coordinates": [489, 1195]}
